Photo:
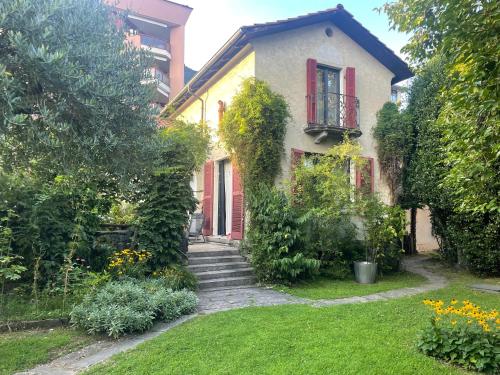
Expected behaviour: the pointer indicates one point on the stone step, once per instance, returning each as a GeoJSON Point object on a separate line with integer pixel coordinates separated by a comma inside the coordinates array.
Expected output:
{"type": "Point", "coordinates": [219, 240]}
{"type": "Point", "coordinates": [228, 281]}
{"type": "Point", "coordinates": [210, 275]}
{"type": "Point", "coordinates": [213, 253]}
{"type": "Point", "coordinates": [217, 266]}
{"type": "Point", "coordinates": [215, 259]}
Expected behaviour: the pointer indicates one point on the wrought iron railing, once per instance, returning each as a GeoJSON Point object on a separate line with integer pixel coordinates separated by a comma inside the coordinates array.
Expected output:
{"type": "Point", "coordinates": [334, 110]}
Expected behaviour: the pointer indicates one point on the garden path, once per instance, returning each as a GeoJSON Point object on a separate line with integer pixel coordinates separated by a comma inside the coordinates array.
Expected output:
{"type": "Point", "coordinates": [222, 299]}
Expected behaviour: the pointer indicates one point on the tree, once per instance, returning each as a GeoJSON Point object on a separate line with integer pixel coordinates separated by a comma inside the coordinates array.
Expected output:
{"type": "Point", "coordinates": [465, 33]}
{"type": "Point", "coordinates": [393, 139]}
{"type": "Point", "coordinates": [71, 96]}
{"type": "Point", "coordinates": [167, 197]}
{"type": "Point", "coordinates": [253, 131]}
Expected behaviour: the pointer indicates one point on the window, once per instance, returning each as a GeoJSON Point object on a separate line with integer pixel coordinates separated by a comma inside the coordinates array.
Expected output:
{"type": "Point", "coordinates": [328, 96]}
{"type": "Point", "coordinates": [394, 95]}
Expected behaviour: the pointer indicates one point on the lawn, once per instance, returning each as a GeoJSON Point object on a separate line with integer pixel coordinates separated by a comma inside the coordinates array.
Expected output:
{"type": "Point", "coordinates": [325, 288]}
{"type": "Point", "coordinates": [24, 350]}
{"type": "Point", "coordinates": [369, 338]}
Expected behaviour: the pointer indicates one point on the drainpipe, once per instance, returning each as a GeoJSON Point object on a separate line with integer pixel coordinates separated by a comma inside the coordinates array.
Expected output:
{"type": "Point", "coordinates": [202, 103]}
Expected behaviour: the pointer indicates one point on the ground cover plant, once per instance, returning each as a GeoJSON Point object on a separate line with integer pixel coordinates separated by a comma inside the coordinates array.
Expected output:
{"type": "Point", "coordinates": [130, 306]}
{"type": "Point", "coordinates": [369, 338]}
{"type": "Point", "coordinates": [23, 350]}
{"type": "Point", "coordinates": [328, 288]}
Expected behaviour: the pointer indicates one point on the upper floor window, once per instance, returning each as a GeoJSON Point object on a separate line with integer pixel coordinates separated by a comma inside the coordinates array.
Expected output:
{"type": "Point", "coordinates": [328, 95]}
{"type": "Point", "coordinates": [394, 95]}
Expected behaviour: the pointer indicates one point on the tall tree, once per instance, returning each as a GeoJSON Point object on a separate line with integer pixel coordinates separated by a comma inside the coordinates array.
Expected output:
{"type": "Point", "coordinates": [467, 34]}
{"type": "Point", "coordinates": [71, 92]}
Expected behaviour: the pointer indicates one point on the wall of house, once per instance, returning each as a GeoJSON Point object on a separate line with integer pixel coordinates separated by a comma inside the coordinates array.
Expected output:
{"type": "Point", "coordinates": [281, 61]}
{"type": "Point", "coordinates": [223, 87]}
{"type": "Point", "coordinates": [425, 239]}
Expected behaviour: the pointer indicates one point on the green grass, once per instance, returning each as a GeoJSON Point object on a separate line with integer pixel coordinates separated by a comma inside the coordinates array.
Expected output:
{"type": "Point", "coordinates": [325, 288]}
{"type": "Point", "coordinates": [368, 338]}
{"type": "Point", "coordinates": [24, 350]}
{"type": "Point", "coordinates": [23, 308]}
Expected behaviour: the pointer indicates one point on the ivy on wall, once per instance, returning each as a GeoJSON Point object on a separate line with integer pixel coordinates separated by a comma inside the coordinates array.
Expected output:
{"type": "Point", "coordinates": [253, 132]}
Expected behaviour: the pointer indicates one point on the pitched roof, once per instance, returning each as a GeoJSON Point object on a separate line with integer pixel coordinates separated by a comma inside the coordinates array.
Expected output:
{"type": "Point", "coordinates": [340, 18]}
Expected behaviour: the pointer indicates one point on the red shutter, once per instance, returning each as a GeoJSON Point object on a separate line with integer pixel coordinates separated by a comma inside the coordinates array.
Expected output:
{"type": "Point", "coordinates": [311, 90]}
{"type": "Point", "coordinates": [238, 204]}
{"type": "Point", "coordinates": [350, 98]}
{"type": "Point", "coordinates": [208, 199]}
{"type": "Point", "coordinates": [366, 180]}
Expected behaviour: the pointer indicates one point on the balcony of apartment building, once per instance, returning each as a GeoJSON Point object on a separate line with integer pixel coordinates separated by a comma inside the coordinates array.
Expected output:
{"type": "Point", "coordinates": [162, 85]}
{"type": "Point", "coordinates": [152, 35]}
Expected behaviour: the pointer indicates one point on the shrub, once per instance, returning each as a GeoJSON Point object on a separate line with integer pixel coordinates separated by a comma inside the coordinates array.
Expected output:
{"type": "Point", "coordinates": [274, 238]}
{"type": "Point", "coordinates": [166, 197]}
{"type": "Point", "coordinates": [464, 335]}
{"type": "Point", "coordinates": [130, 306]}
{"type": "Point", "coordinates": [384, 228]}
{"type": "Point", "coordinates": [177, 278]}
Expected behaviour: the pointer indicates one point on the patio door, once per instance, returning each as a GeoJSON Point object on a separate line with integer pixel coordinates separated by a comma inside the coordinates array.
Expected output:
{"type": "Point", "coordinates": [328, 86]}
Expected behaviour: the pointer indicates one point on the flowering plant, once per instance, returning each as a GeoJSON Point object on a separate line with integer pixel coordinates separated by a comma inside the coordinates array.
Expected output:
{"type": "Point", "coordinates": [129, 262]}
{"type": "Point", "coordinates": [464, 334]}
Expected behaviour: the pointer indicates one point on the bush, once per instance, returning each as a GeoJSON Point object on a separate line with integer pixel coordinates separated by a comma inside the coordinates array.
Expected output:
{"type": "Point", "coordinates": [130, 306]}
{"type": "Point", "coordinates": [384, 228]}
{"type": "Point", "coordinates": [274, 238]}
{"type": "Point", "coordinates": [177, 278]}
{"type": "Point", "coordinates": [166, 198]}
{"type": "Point", "coordinates": [463, 335]}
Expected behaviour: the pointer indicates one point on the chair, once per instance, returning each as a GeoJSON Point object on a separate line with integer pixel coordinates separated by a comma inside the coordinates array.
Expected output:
{"type": "Point", "coordinates": [196, 226]}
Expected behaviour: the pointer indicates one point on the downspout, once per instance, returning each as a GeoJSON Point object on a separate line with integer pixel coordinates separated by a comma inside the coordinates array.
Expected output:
{"type": "Point", "coordinates": [202, 103]}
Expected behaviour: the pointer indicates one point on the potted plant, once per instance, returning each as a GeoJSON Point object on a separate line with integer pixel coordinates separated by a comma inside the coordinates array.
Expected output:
{"type": "Point", "coordinates": [366, 271]}
{"type": "Point", "coordinates": [382, 225]}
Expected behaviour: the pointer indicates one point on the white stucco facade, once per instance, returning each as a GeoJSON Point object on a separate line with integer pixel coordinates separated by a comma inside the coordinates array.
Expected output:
{"type": "Point", "coordinates": [280, 60]}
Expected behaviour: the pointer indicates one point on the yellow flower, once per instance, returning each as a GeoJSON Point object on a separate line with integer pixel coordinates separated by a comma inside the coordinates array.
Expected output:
{"type": "Point", "coordinates": [454, 301]}
{"type": "Point", "coordinates": [453, 322]}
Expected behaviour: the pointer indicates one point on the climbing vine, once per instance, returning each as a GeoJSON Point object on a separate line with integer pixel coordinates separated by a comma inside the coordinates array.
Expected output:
{"type": "Point", "coordinates": [254, 125]}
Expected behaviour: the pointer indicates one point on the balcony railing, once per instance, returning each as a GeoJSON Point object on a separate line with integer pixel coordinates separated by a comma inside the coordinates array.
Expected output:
{"type": "Point", "coordinates": [161, 76]}
{"type": "Point", "coordinates": [335, 110]}
{"type": "Point", "coordinates": [332, 115]}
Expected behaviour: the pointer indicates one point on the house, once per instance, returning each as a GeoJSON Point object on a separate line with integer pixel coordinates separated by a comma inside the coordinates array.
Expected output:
{"type": "Point", "coordinates": [335, 76]}
{"type": "Point", "coordinates": [159, 26]}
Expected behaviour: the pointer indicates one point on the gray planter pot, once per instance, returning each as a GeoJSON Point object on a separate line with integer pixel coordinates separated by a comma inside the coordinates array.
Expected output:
{"type": "Point", "coordinates": [365, 272]}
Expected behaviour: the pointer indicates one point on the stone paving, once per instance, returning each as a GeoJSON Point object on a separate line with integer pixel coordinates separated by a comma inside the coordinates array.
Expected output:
{"type": "Point", "coordinates": [223, 299]}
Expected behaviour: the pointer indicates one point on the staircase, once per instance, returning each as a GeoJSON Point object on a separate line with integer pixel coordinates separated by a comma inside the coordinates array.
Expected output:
{"type": "Point", "coordinates": [218, 266]}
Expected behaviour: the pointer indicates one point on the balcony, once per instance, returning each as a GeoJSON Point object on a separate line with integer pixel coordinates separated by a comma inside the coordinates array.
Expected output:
{"type": "Point", "coordinates": [335, 115]}
{"type": "Point", "coordinates": [158, 47]}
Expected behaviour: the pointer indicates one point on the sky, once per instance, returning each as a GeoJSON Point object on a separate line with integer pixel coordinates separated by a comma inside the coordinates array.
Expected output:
{"type": "Point", "coordinates": [212, 22]}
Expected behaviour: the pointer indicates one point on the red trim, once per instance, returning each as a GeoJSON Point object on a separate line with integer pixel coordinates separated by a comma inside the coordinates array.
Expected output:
{"type": "Point", "coordinates": [207, 205]}
{"type": "Point", "coordinates": [350, 95]}
{"type": "Point", "coordinates": [238, 207]}
{"type": "Point", "coordinates": [312, 87]}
